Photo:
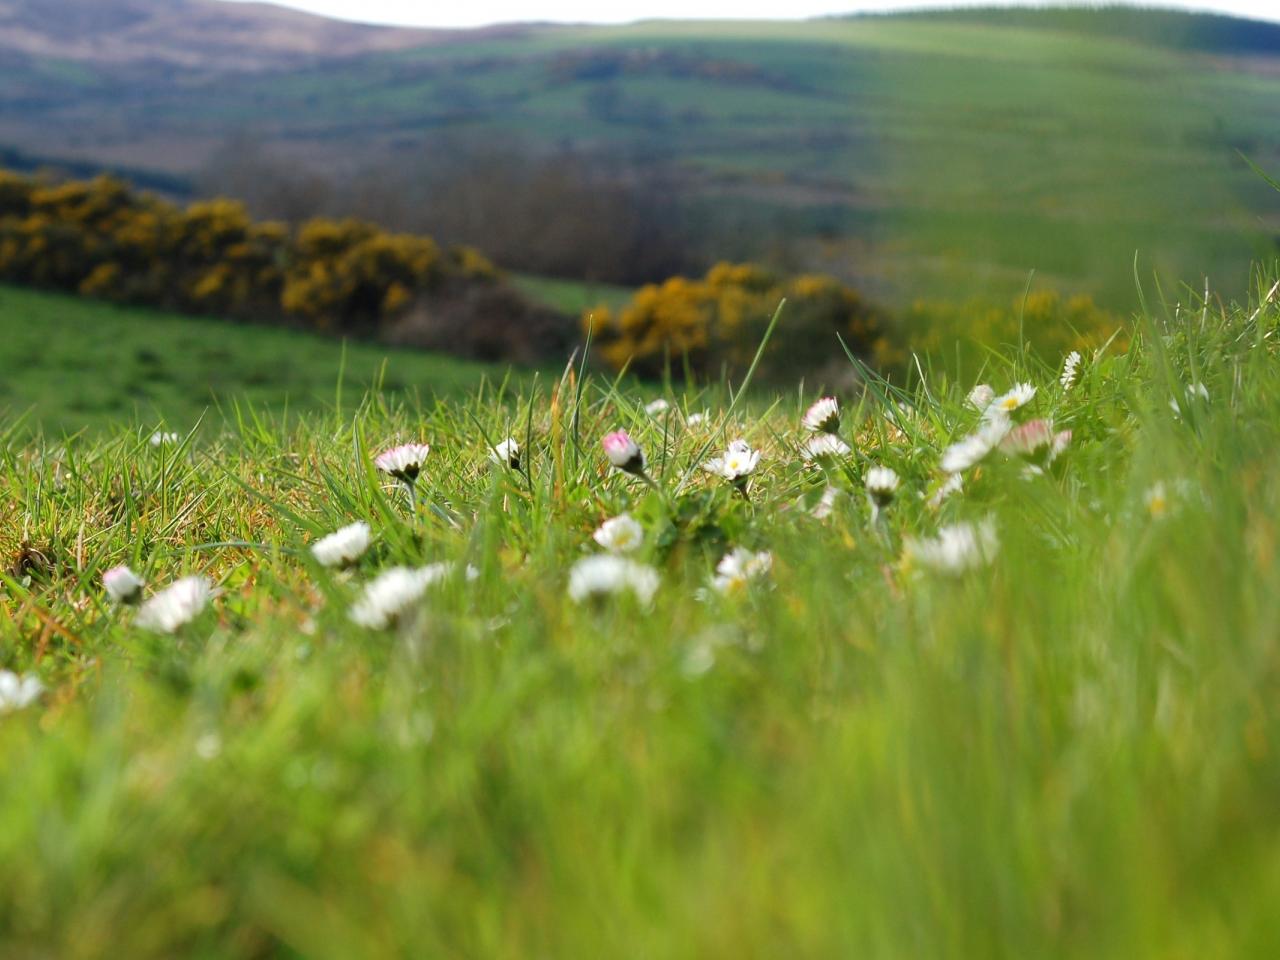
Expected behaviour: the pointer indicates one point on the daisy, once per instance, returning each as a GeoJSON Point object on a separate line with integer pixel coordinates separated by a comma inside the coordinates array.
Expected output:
{"type": "Point", "coordinates": [162, 439]}
{"type": "Point", "coordinates": [696, 419]}
{"type": "Point", "coordinates": [1070, 368]}
{"type": "Point", "coordinates": [508, 452]}
{"type": "Point", "coordinates": [1156, 499]}
{"type": "Point", "coordinates": [739, 566]}
{"type": "Point", "coordinates": [621, 534]}
{"type": "Point", "coordinates": [176, 605]}
{"type": "Point", "coordinates": [606, 574]}
{"type": "Point", "coordinates": [980, 397]}
{"type": "Point", "coordinates": [657, 408]}
{"type": "Point", "coordinates": [343, 547]}
{"type": "Point", "coordinates": [970, 450]}
{"type": "Point", "coordinates": [17, 692]}
{"type": "Point", "coordinates": [882, 485]}
{"type": "Point", "coordinates": [827, 503]}
{"type": "Point", "coordinates": [825, 446]}
{"type": "Point", "coordinates": [624, 453]}
{"type": "Point", "coordinates": [956, 548]}
{"type": "Point", "coordinates": [403, 462]}
{"type": "Point", "coordinates": [1029, 440]}
{"type": "Point", "coordinates": [737, 464]}
{"type": "Point", "coordinates": [1019, 396]}
{"type": "Point", "coordinates": [953, 484]}
{"type": "Point", "coordinates": [123, 585]}
{"type": "Point", "coordinates": [823, 416]}
{"type": "Point", "coordinates": [392, 593]}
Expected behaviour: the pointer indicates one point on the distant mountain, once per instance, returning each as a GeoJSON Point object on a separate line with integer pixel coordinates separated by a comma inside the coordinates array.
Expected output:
{"type": "Point", "coordinates": [203, 34]}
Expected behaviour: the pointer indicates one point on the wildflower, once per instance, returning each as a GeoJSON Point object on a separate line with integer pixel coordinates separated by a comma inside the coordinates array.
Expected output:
{"type": "Point", "coordinates": [981, 396]}
{"type": "Point", "coordinates": [657, 408]}
{"type": "Point", "coordinates": [123, 585]}
{"type": "Point", "coordinates": [1156, 500]}
{"type": "Point", "coordinates": [343, 547]}
{"type": "Point", "coordinates": [969, 450]}
{"type": "Point", "coordinates": [1019, 396]}
{"type": "Point", "coordinates": [403, 462]}
{"type": "Point", "coordinates": [624, 453]}
{"type": "Point", "coordinates": [17, 692]}
{"type": "Point", "coordinates": [825, 446]}
{"type": "Point", "coordinates": [737, 464]}
{"type": "Point", "coordinates": [394, 592]}
{"type": "Point", "coordinates": [956, 548]}
{"type": "Point", "coordinates": [953, 484]}
{"type": "Point", "coordinates": [176, 605]}
{"type": "Point", "coordinates": [606, 574]}
{"type": "Point", "coordinates": [827, 503]}
{"type": "Point", "coordinates": [1070, 368]}
{"type": "Point", "coordinates": [823, 416]}
{"type": "Point", "coordinates": [696, 419]}
{"type": "Point", "coordinates": [1035, 441]}
{"type": "Point", "coordinates": [1197, 391]}
{"type": "Point", "coordinates": [621, 534]}
{"type": "Point", "coordinates": [507, 452]}
{"type": "Point", "coordinates": [162, 439]}
{"type": "Point", "coordinates": [882, 485]}
{"type": "Point", "coordinates": [739, 566]}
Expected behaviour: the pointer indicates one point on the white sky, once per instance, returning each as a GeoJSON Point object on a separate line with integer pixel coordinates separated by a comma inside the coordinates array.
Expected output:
{"type": "Point", "coordinates": [470, 13]}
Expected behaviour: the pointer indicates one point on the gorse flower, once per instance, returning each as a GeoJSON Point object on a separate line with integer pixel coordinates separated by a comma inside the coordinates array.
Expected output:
{"type": "Point", "coordinates": [343, 547]}
{"type": "Point", "coordinates": [607, 574]}
{"type": "Point", "coordinates": [123, 585]}
{"type": "Point", "coordinates": [825, 446]}
{"type": "Point", "coordinates": [956, 548]}
{"type": "Point", "coordinates": [1070, 368]}
{"type": "Point", "coordinates": [176, 605]}
{"type": "Point", "coordinates": [624, 453]}
{"type": "Point", "coordinates": [403, 462]}
{"type": "Point", "coordinates": [506, 453]}
{"type": "Point", "coordinates": [740, 566]}
{"type": "Point", "coordinates": [621, 534]}
{"type": "Point", "coordinates": [823, 416]}
{"type": "Point", "coordinates": [736, 465]}
{"type": "Point", "coordinates": [17, 692]}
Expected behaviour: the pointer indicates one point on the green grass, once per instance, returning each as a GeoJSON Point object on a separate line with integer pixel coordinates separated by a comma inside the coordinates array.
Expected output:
{"type": "Point", "coordinates": [572, 297]}
{"type": "Point", "coordinates": [1070, 751]}
{"type": "Point", "coordinates": [70, 364]}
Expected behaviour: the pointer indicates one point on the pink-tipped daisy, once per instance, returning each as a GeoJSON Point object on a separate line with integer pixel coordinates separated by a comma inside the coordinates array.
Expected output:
{"type": "Point", "coordinates": [823, 416]}
{"type": "Point", "coordinates": [403, 462]}
{"type": "Point", "coordinates": [123, 585]}
{"type": "Point", "coordinates": [624, 453]}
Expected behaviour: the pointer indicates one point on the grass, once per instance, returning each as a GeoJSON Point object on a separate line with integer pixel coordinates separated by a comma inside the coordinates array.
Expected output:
{"type": "Point", "coordinates": [572, 297]}
{"type": "Point", "coordinates": [1068, 751]}
{"type": "Point", "coordinates": [71, 364]}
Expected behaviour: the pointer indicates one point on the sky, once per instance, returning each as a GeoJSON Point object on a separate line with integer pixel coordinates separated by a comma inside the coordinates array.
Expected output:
{"type": "Point", "coordinates": [426, 13]}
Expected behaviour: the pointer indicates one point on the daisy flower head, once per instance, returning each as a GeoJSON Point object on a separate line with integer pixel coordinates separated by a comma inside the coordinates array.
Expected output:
{"type": "Point", "coordinates": [696, 419]}
{"type": "Point", "coordinates": [972, 449]}
{"type": "Point", "coordinates": [740, 566]}
{"type": "Point", "coordinates": [1019, 396]}
{"type": "Point", "coordinates": [393, 593]}
{"type": "Point", "coordinates": [1029, 440]}
{"type": "Point", "coordinates": [607, 574]}
{"type": "Point", "coordinates": [825, 446]}
{"type": "Point", "coordinates": [823, 416]}
{"type": "Point", "coordinates": [176, 605]}
{"type": "Point", "coordinates": [736, 465]}
{"type": "Point", "coordinates": [404, 462]}
{"type": "Point", "coordinates": [624, 453]}
{"type": "Point", "coordinates": [1070, 369]}
{"type": "Point", "coordinates": [980, 397]}
{"type": "Point", "coordinates": [17, 692]}
{"type": "Point", "coordinates": [620, 534]}
{"type": "Point", "coordinates": [1156, 500]}
{"type": "Point", "coordinates": [957, 548]}
{"type": "Point", "coordinates": [952, 485]}
{"type": "Point", "coordinates": [123, 585]}
{"type": "Point", "coordinates": [882, 486]}
{"type": "Point", "coordinates": [162, 438]}
{"type": "Point", "coordinates": [343, 547]}
{"type": "Point", "coordinates": [507, 452]}
{"type": "Point", "coordinates": [826, 504]}
{"type": "Point", "coordinates": [657, 407]}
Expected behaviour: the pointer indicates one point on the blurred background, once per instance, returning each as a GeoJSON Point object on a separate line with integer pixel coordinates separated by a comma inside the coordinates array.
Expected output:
{"type": "Point", "coordinates": [918, 182]}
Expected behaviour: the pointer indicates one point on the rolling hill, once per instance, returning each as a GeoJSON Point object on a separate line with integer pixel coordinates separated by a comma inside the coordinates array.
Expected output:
{"type": "Point", "coordinates": [938, 155]}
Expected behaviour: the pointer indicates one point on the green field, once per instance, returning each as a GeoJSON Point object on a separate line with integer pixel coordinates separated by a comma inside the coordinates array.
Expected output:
{"type": "Point", "coordinates": [67, 364]}
{"type": "Point", "coordinates": [1070, 747]}
{"type": "Point", "coordinates": [942, 156]}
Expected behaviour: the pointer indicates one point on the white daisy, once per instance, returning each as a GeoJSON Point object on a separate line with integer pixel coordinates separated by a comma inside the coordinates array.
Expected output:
{"type": "Point", "coordinates": [176, 605]}
{"type": "Point", "coordinates": [1019, 396]}
{"type": "Point", "coordinates": [403, 462]}
{"type": "Point", "coordinates": [953, 484]}
{"type": "Point", "coordinates": [981, 396]}
{"type": "Point", "coordinates": [739, 566]}
{"type": "Point", "coordinates": [827, 503]}
{"type": "Point", "coordinates": [1156, 499]}
{"type": "Point", "coordinates": [123, 585]}
{"type": "Point", "coordinates": [657, 408]}
{"type": "Point", "coordinates": [956, 548]}
{"type": "Point", "coordinates": [823, 416]}
{"type": "Point", "coordinates": [507, 452]}
{"type": "Point", "coordinates": [343, 547]}
{"type": "Point", "coordinates": [969, 450]}
{"type": "Point", "coordinates": [825, 446]}
{"type": "Point", "coordinates": [17, 692]}
{"type": "Point", "coordinates": [621, 534]}
{"type": "Point", "coordinates": [607, 574]}
{"type": "Point", "coordinates": [393, 592]}
{"type": "Point", "coordinates": [882, 485]}
{"type": "Point", "coordinates": [1070, 368]}
{"type": "Point", "coordinates": [738, 463]}
{"type": "Point", "coordinates": [696, 419]}
{"type": "Point", "coordinates": [162, 438]}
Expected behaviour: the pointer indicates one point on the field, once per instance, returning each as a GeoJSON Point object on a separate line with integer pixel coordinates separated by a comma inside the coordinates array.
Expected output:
{"type": "Point", "coordinates": [943, 156]}
{"type": "Point", "coordinates": [1053, 733]}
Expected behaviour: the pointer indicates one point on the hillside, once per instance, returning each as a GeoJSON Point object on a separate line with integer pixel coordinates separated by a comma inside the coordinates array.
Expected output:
{"type": "Point", "coordinates": [925, 155]}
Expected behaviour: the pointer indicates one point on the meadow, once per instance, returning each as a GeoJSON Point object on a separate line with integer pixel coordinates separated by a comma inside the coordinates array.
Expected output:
{"type": "Point", "coordinates": [1030, 712]}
